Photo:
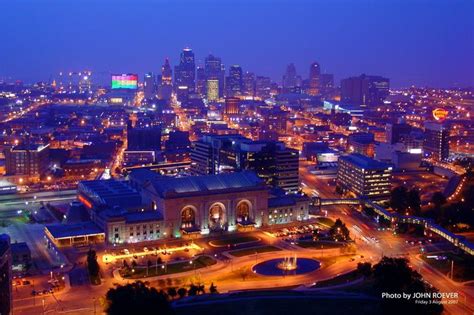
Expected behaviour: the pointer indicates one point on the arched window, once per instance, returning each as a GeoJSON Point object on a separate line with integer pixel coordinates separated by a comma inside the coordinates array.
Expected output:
{"type": "Point", "coordinates": [216, 216]}
{"type": "Point", "coordinates": [243, 212]}
{"type": "Point", "coordinates": [188, 217]}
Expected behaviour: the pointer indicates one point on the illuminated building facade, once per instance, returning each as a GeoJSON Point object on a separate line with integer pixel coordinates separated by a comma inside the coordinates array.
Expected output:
{"type": "Point", "coordinates": [149, 86]}
{"type": "Point", "coordinates": [436, 143]}
{"type": "Point", "coordinates": [234, 81]}
{"type": "Point", "coordinates": [272, 161]}
{"type": "Point", "coordinates": [212, 90]}
{"type": "Point", "coordinates": [185, 72]}
{"type": "Point", "coordinates": [31, 160]}
{"type": "Point", "coordinates": [364, 177]}
{"type": "Point", "coordinates": [314, 79]}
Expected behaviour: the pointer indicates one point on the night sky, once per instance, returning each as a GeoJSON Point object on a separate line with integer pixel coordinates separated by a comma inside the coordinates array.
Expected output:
{"type": "Point", "coordinates": [428, 43]}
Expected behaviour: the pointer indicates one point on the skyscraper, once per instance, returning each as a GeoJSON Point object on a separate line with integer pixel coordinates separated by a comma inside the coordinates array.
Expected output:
{"type": "Point", "coordinates": [213, 69]}
{"type": "Point", "coordinates": [234, 81]}
{"type": "Point", "coordinates": [291, 81]}
{"type": "Point", "coordinates": [248, 84]}
{"type": "Point", "coordinates": [212, 90]}
{"type": "Point", "coordinates": [165, 87]}
{"type": "Point", "coordinates": [263, 87]}
{"type": "Point", "coordinates": [364, 90]}
{"type": "Point", "coordinates": [149, 86]}
{"type": "Point", "coordinates": [314, 79]}
{"type": "Point", "coordinates": [185, 72]}
{"type": "Point", "coordinates": [436, 144]}
{"type": "Point", "coordinates": [326, 83]}
{"type": "Point", "coordinates": [201, 85]}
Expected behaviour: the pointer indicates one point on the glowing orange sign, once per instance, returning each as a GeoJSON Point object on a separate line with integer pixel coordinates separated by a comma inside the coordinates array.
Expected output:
{"type": "Point", "coordinates": [440, 113]}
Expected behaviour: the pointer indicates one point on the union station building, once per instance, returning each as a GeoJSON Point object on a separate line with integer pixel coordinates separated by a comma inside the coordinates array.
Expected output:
{"type": "Point", "coordinates": [149, 206]}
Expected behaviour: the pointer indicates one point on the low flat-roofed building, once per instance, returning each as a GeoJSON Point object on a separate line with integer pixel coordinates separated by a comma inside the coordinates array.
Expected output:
{"type": "Point", "coordinates": [81, 233]}
{"type": "Point", "coordinates": [21, 255]}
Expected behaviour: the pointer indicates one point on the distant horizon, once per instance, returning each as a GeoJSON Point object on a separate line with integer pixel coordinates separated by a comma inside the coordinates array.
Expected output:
{"type": "Point", "coordinates": [431, 46]}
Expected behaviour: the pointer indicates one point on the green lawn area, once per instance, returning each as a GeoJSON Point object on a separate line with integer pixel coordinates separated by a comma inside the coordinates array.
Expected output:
{"type": "Point", "coordinates": [252, 251]}
{"type": "Point", "coordinates": [463, 265]}
{"type": "Point", "coordinates": [233, 241]}
{"type": "Point", "coordinates": [141, 272]}
{"type": "Point", "coordinates": [325, 221]}
{"type": "Point", "coordinates": [320, 245]}
{"type": "Point", "coordinates": [341, 279]}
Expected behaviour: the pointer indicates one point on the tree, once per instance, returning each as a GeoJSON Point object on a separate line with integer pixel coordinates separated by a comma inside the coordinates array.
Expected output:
{"type": "Point", "coordinates": [438, 199]}
{"type": "Point", "coordinates": [201, 289]}
{"type": "Point", "coordinates": [92, 265]}
{"type": "Point", "coordinates": [193, 290]}
{"type": "Point", "coordinates": [213, 289]}
{"type": "Point", "coordinates": [172, 292]}
{"type": "Point", "coordinates": [414, 201]}
{"type": "Point", "coordinates": [182, 292]}
{"type": "Point", "coordinates": [398, 199]}
{"type": "Point", "coordinates": [364, 269]}
{"type": "Point", "coordinates": [137, 298]}
{"type": "Point", "coordinates": [339, 231]}
{"type": "Point", "coordinates": [394, 275]}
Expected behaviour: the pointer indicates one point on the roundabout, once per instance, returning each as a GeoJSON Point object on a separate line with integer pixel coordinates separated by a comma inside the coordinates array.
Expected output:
{"type": "Point", "coordinates": [287, 266]}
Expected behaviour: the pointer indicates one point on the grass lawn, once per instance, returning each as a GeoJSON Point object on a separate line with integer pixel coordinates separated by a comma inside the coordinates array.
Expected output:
{"type": "Point", "coordinates": [463, 265]}
{"type": "Point", "coordinates": [233, 241]}
{"type": "Point", "coordinates": [325, 221]}
{"type": "Point", "coordinates": [141, 272]}
{"type": "Point", "coordinates": [320, 245]}
{"type": "Point", "coordinates": [252, 251]}
{"type": "Point", "coordinates": [341, 279]}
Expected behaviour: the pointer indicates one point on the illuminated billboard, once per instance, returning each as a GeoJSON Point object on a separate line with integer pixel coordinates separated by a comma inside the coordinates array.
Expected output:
{"type": "Point", "coordinates": [440, 114]}
{"type": "Point", "coordinates": [125, 81]}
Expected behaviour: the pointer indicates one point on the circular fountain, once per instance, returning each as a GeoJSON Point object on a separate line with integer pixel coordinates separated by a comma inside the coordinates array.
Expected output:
{"type": "Point", "coordinates": [286, 266]}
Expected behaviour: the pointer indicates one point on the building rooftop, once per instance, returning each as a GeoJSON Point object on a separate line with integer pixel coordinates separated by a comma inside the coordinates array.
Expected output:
{"type": "Point", "coordinates": [165, 186]}
{"type": "Point", "coordinates": [363, 161]}
{"type": "Point", "coordinates": [59, 231]}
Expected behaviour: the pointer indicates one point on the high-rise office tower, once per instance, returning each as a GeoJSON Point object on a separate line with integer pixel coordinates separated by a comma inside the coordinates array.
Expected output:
{"type": "Point", "coordinates": [291, 81]}
{"type": "Point", "coordinates": [201, 85]}
{"type": "Point", "coordinates": [272, 161]}
{"type": "Point", "coordinates": [149, 86]}
{"type": "Point", "coordinates": [214, 70]}
{"type": "Point", "coordinates": [234, 81]}
{"type": "Point", "coordinates": [314, 79]}
{"type": "Point", "coordinates": [326, 83]}
{"type": "Point", "coordinates": [397, 132]}
{"type": "Point", "coordinates": [263, 86]}
{"type": "Point", "coordinates": [166, 73]}
{"type": "Point", "coordinates": [212, 90]}
{"type": "Point", "coordinates": [436, 144]}
{"type": "Point", "coordinates": [6, 305]}
{"type": "Point", "coordinates": [364, 90]}
{"type": "Point", "coordinates": [248, 84]}
{"type": "Point", "coordinates": [185, 72]}
{"type": "Point", "coordinates": [165, 87]}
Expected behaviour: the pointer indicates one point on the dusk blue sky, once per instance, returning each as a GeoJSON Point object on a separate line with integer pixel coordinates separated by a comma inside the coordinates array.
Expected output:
{"type": "Point", "coordinates": [429, 43]}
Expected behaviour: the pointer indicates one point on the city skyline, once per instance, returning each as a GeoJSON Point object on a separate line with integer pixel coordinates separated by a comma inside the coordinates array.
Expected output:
{"type": "Point", "coordinates": [136, 38]}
